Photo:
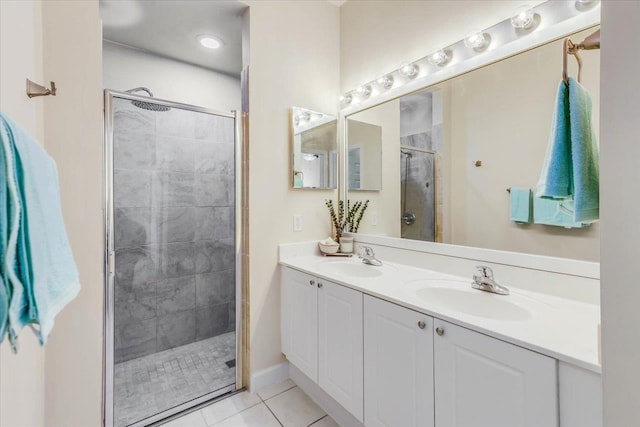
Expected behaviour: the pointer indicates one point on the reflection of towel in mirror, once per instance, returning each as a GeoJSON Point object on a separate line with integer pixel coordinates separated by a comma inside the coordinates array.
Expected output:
{"type": "Point", "coordinates": [571, 167]}
{"type": "Point", "coordinates": [520, 205]}
{"type": "Point", "coordinates": [42, 261]}
{"type": "Point", "coordinates": [551, 212]}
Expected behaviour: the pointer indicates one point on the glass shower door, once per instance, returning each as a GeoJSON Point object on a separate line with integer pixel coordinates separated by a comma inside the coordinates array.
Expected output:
{"type": "Point", "coordinates": [174, 239]}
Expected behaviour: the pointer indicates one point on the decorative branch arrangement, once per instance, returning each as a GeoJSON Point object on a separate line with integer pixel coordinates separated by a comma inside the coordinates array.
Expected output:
{"type": "Point", "coordinates": [350, 221]}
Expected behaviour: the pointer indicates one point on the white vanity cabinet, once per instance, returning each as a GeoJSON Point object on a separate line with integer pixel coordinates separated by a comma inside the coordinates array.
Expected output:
{"type": "Point", "coordinates": [398, 364]}
{"type": "Point", "coordinates": [299, 322]}
{"type": "Point", "coordinates": [322, 336]}
{"type": "Point", "coordinates": [484, 382]}
{"type": "Point", "coordinates": [340, 371]}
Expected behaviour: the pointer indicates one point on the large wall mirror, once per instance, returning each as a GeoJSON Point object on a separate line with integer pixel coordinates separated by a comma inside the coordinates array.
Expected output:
{"type": "Point", "coordinates": [452, 152]}
{"type": "Point", "coordinates": [314, 149]}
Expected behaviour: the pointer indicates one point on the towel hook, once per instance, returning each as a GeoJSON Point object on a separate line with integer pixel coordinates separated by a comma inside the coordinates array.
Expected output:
{"type": "Point", "coordinates": [570, 48]}
{"type": "Point", "coordinates": [34, 89]}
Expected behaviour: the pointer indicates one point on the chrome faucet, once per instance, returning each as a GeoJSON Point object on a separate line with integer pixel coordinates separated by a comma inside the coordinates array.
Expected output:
{"type": "Point", "coordinates": [485, 282]}
{"type": "Point", "coordinates": [366, 254]}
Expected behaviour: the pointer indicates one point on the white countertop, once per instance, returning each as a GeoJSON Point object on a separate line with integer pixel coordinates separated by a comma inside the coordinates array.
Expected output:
{"type": "Point", "coordinates": [561, 328]}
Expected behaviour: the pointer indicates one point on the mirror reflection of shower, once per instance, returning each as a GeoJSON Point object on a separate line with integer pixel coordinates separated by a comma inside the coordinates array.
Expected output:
{"type": "Point", "coordinates": [420, 150]}
{"type": "Point", "coordinates": [408, 218]}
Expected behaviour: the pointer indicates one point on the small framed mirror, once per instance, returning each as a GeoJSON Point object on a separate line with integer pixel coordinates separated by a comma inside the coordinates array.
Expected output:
{"type": "Point", "coordinates": [314, 149]}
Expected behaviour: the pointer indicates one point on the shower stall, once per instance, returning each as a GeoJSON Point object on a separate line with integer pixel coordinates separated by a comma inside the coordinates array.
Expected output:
{"type": "Point", "coordinates": [172, 257]}
{"type": "Point", "coordinates": [418, 193]}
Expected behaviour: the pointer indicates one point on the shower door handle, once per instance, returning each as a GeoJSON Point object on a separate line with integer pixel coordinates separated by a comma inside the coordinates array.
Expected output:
{"type": "Point", "coordinates": [112, 263]}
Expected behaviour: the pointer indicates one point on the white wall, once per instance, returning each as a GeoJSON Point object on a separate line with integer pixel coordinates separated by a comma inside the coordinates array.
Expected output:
{"type": "Point", "coordinates": [126, 68]}
{"type": "Point", "coordinates": [294, 60]}
{"type": "Point", "coordinates": [620, 210]}
{"type": "Point", "coordinates": [73, 123]}
{"type": "Point", "coordinates": [22, 376]}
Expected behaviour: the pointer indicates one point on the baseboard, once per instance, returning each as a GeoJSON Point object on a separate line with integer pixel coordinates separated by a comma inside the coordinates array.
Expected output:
{"type": "Point", "coordinates": [272, 375]}
{"type": "Point", "coordinates": [322, 399]}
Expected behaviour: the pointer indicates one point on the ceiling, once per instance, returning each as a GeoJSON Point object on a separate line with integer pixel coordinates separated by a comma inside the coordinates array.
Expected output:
{"type": "Point", "coordinates": [170, 28]}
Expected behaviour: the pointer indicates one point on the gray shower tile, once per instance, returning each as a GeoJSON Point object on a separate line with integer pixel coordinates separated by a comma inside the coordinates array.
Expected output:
{"type": "Point", "coordinates": [215, 288]}
{"type": "Point", "coordinates": [172, 188]}
{"type": "Point", "coordinates": [176, 122]}
{"type": "Point", "coordinates": [135, 309]}
{"type": "Point", "coordinates": [224, 130]}
{"type": "Point", "coordinates": [167, 285]}
{"type": "Point", "coordinates": [131, 188]}
{"type": "Point", "coordinates": [132, 227]}
{"type": "Point", "coordinates": [212, 321]}
{"type": "Point", "coordinates": [129, 118]}
{"type": "Point", "coordinates": [133, 150]}
{"type": "Point", "coordinates": [136, 268]}
{"type": "Point", "coordinates": [214, 190]}
{"type": "Point", "coordinates": [179, 298]}
{"type": "Point", "coordinates": [179, 259]}
{"type": "Point", "coordinates": [215, 255]}
{"type": "Point", "coordinates": [176, 329]}
{"type": "Point", "coordinates": [215, 158]}
{"type": "Point", "coordinates": [173, 224]}
{"type": "Point", "coordinates": [135, 339]}
{"type": "Point", "coordinates": [232, 317]}
{"type": "Point", "coordinates": [215, 223]}
{"type": "Point", "coordinates": [176, 154]}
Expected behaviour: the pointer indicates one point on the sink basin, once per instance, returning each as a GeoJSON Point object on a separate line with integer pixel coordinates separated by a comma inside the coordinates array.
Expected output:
{"type": "Point", "coordinates": [351, 269]}
{"type": "Point", "coordinates": [473, 302]}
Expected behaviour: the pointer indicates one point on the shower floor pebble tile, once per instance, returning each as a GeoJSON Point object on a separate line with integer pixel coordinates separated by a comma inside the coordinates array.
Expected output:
{"type": "Point", "coordinates": [155, 383]}
{"type": "Point", "coordinates": [280, 405]}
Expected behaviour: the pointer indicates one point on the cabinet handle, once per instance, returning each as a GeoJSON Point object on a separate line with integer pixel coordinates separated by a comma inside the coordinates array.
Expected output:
{"type": "Point", "coordinates": [312, 282]}
{"type": "Point", "coordinates": [440, 331]}
{"type": "Point", "coordinates": [421, 324]}
{"type": "Point", "coordinates": [319, 284]}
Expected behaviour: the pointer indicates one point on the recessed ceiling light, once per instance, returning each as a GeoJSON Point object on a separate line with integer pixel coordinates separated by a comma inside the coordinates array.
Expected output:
{"type": "Point", "coordinates": [210, 42]}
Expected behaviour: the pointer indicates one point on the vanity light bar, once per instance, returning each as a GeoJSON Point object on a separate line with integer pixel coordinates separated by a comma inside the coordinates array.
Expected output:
{"type": "Point", "coordinates": [523, 21]}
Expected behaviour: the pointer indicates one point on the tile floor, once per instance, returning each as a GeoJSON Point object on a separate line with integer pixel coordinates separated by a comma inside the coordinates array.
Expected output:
{"type": "Point", "coordinates": [157, 382]}
{"type": "Point", "coordinates": [281, 405]}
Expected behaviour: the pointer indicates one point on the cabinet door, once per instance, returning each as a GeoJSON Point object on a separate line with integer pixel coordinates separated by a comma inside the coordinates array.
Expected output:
{"type": "Point", "coordinates": [484, 382]}
{"type": "Point", "coordinates": [340, 340]}
{"type": "Point", "coordinates": [300, 321]}
{"type": "Point", "coordinates": [398, 366]}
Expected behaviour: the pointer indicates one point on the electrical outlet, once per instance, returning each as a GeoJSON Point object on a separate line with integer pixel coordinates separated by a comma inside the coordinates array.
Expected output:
{"type": "Point", "coordinates": [297, 222]}
{"type": "Point", "coordinates": [374, 218]}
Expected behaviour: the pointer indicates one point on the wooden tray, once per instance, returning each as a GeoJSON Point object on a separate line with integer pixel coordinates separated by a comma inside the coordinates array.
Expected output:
{"type": "Point", "coordinates": [339, 254]}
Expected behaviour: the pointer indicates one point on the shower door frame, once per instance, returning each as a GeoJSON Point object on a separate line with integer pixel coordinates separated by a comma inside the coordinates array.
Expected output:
{"type": "Point", "coordinates": [109, 259]}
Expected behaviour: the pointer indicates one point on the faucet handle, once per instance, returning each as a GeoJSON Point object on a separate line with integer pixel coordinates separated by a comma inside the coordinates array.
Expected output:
{"type": "Point", "coordinates": [365, 251]}
{"type": "Point", "coordinates": [485, 271]}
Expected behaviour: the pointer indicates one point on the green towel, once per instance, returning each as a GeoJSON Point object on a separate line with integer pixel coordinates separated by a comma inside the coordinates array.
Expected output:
{"type": "Point", "coordinates": [552, 212]}
{"type": "Point", "coordinates": [571, 167]}
{"type": "Point", "coordinates": [521, 205]}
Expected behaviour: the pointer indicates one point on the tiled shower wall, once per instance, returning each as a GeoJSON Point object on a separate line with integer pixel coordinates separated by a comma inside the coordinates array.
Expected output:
{"type": "Point", "coordinates": [174, 228]}
{"type": "Point", "coordinates": [420, 180]}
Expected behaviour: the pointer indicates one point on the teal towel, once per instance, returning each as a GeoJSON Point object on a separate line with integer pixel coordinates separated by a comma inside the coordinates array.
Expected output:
{"type": "Point", "coordinates": [5, 289]}
{"type": "Point", "coordinates": [571, 167]}
{"type": "Point", "coordinates": [551, 212]}
{"type": "Point", "coordinates": [521, 205]}
{"type": "Point", "coordinates": [44, 262]}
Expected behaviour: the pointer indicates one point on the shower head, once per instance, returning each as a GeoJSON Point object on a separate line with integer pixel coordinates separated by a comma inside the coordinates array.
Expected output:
{"type": "Point", "coordinates": [149, 106]}
{"type": "Point", "coordinates": [406, 153]}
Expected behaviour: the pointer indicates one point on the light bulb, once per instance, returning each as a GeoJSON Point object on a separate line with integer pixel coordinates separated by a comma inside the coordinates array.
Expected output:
{"type": "Point", "coordinates": [385, 82]}
{"type": "Point", "coordinates": [438, 57]}
{"type": "Point", "coordinates": [523, 17]}
{"type": "Point", "coordinates": [309, 157]}
{"type": "Point", "coordinates": [476, 40]}
{"type": "Point", "coordinates": [346, 98]}
{"type": "Point", "coordinates": [364, 91]}
{"type": "Point", "coordinates": [409, 70]}
{"type": "Point", "coordinates": [210, 42]}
